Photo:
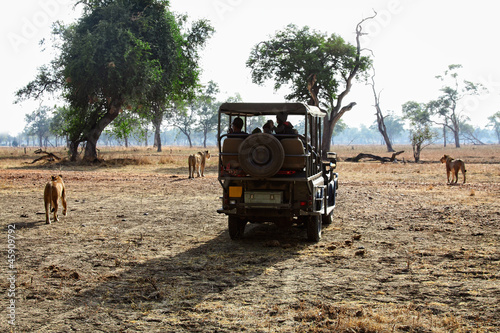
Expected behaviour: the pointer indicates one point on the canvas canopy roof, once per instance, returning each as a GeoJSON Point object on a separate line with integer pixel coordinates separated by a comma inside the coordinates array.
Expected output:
{"type": "Point", "coordinates": [261, 109]}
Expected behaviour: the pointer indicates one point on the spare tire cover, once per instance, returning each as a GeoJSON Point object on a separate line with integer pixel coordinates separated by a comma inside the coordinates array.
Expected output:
{"type": "Point", "coordinates": [261, 155]}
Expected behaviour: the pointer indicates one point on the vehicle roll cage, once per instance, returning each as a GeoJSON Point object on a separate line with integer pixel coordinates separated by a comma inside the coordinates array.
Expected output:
{"type": "Point", "coordinates": [311, 138]}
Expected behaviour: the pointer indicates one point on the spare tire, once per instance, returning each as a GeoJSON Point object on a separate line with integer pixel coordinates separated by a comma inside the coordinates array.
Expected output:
{"type": "Point", "coordinates": [261, 155]}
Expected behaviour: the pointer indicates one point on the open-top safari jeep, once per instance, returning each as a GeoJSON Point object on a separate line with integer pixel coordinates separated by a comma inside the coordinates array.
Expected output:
{"type": "Point", "coordinates": [275, 177]}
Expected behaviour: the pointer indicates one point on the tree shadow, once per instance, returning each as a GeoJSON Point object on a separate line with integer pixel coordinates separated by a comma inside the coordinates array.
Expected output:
{"type": "Point", "coordinates": [173, 283]}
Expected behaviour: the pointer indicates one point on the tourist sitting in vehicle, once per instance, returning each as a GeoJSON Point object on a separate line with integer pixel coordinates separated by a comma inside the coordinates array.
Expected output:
{"type": "Point", "coordinates": [284, 126]}
{"type": "Point", "coordinates": [268, 127]}
{"type": "Point", "coordinates": [236, 126]}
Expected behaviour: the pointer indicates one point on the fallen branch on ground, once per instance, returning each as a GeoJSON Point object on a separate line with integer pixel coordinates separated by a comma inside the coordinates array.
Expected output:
{"type": "Point", "coordinates": [360, 156]}
{"type": "Point", "coordinates": [48, 156]}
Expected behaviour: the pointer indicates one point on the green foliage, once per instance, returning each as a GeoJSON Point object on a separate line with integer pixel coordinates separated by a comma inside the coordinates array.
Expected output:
{"type": "Point", "coordinates": [416, 113]}
{"type": "Point", "coordinates": [495, 123]}
{"type": "Point", "coordinates": [182, 117]}
{"type": "Point", "coordinates": [118, 52]}
{"type": "Point", "coordinates": [38, 123]}
{"type": "Point", "coordinates": [128, 124]}
{"type": "Point", "coordinates": [206, 106]}
{"type": "Point", "coordinates": [421, 133]}
{"type": "Point", "coordinates": [292, 55]}
{"type": "Point", "coordinates": [339, 128]}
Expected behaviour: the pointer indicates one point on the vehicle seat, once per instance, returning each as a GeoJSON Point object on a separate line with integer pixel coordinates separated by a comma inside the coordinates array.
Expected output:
{"type": "Point", "coordinates": [293, 146]}
{"type": "Point", "coordinates": [230, 146]}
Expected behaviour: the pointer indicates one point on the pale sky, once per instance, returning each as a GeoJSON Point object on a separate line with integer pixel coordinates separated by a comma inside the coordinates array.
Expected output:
{"type": "Point", "coordinates": [412, 41]}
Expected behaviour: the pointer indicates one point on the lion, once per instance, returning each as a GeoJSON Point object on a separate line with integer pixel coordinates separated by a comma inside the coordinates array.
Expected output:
{"type": "Point", "coordinates": [453, 166]}
{"type": "Point", "coordinates": [54, 190]}
{"type": "Point", "coordinates": [197, 163]}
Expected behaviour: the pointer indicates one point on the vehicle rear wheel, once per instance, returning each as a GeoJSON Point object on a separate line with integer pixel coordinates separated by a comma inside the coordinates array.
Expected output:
{"type": "Point", "coordinates": [261, 155]}
{"type": "Point", "coordinates": [314, 228]}
{"type": "Point", "coordinates": [236, 227]}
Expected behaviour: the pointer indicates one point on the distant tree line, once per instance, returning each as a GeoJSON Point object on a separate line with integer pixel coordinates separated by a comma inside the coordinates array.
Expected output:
{"type": "Point", "coordinates": [43, 129]}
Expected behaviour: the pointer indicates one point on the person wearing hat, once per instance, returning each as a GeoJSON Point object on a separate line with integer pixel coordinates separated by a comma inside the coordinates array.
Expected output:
{"type": "Point", "coordinates": [284, 126]}
{"type": "Point", "coordinates": [236, 126]}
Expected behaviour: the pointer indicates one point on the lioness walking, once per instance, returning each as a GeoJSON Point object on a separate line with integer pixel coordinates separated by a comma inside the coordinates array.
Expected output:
{"type": "Point", "coordinates": [54, 190]}
{"type": "Point", "coordinates": [197, 163]}
{"type": "Point", "coordinates": [453, 166]}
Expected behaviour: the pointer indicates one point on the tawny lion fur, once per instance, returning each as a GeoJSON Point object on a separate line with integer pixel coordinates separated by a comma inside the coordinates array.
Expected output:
{"type": "Point", "coordinates": [453, 166]}
{"type": "Point", "coordinates": [197, 163]}
{"type": "Point", "coordinates": [54, 190]}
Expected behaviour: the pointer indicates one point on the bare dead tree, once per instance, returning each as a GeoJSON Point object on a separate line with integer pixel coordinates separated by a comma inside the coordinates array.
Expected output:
{"type": "Point", "coordinates": [338, 110]}
{"type": "Point", "coordinates": [380, 117]}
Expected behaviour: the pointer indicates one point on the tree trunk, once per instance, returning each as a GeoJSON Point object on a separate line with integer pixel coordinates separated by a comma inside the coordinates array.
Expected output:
{"type": "Point", "coordinates": [96, 131]}
{"type": "Point", "coordinates": [158, 138]}
{"type": "Point", "coordinates": [457, 138]}
{"type": "Point", "coordinates": [444, 135]}
{"type": "Point", "coordinates": [73, 150]}
{"type": "Point", "coordinates": [380, 117]}
{"type": "Point", "coordinates": [416, 152]}
{"type": "Point", "coordinates": [157, 120]}
{"type": "Point", "coordinates": [456, 128]}
{"type": "Point", "coordinates": [383, 130]}
{"type": "Point", "coordinates": [456, 131]}
{"type": "Point", "coordinates": [330, 122]}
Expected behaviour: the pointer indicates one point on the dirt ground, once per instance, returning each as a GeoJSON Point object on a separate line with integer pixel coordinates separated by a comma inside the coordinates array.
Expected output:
{"type": "Point", "coordinates": [143, 250]}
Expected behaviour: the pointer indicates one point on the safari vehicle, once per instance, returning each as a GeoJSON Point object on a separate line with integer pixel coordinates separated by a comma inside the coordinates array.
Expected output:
{"type": "Point", "coordinates": [279, 178]}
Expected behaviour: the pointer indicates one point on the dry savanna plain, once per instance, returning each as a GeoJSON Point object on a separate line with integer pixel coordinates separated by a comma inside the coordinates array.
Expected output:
{"type": "Point", "coordinates": [143, 249]}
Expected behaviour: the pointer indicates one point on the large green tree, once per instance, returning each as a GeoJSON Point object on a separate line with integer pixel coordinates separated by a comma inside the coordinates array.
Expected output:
{"type": "Point", "coordinates": [190, 40]}
{"type": "Point", "coordinates": [119, 53]}
{"type": "Point", "coordinates": [318, 68]}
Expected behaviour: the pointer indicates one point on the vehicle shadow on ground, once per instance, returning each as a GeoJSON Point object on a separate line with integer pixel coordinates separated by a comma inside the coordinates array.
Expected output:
{"type": "Point", "coordinates": [183, 280]}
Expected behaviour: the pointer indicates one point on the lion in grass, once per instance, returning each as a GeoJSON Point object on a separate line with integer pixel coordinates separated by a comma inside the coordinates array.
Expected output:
{"type": "Point", "coordinates": [54, 190]}
{"type": "Point", "coordinates": [453, 166]}
{"type": "Point", "coordinates": [197, 163]}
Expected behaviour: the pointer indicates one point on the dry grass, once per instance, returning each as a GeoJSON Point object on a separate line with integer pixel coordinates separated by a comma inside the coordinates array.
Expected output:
{"type": "Point", "coordinates": [177, 156]}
